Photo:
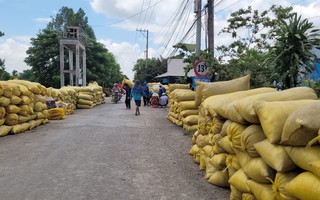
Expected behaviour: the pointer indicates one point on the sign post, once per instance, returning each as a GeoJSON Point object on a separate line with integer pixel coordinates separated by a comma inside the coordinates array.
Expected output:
{"type": "Point", "coordinates": [201, 70]}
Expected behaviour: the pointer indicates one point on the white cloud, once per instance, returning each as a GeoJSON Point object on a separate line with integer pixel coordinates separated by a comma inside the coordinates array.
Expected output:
{"type": "Point", "coordinates": [126, 55]}
{"type": "Point", "coordinates": [13, 50]}
{"type": "Point", "coordinates": [43, 20]}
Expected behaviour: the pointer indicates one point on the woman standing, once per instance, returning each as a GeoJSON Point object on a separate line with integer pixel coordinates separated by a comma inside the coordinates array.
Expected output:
{"type": "Point", "coordinates": [137, 93]}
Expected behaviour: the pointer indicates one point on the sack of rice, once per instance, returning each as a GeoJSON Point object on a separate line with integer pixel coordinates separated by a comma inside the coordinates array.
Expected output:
{"type": "Point", "coordinates": [301, 126]}
{"type": "Point", "coordinates": [273, 116]}
{"type": "Point", "coordinates": [279, 185]}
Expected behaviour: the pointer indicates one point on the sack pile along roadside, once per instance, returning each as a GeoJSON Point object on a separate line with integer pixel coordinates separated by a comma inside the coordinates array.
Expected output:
{"type": "Point", "coordinates": [22, 106]}
{"type": "Point", "coordinates": [254, 142]}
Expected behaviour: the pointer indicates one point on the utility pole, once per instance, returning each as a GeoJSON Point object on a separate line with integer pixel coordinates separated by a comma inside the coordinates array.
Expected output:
{"type": "Point", "coordinates": [147, 44]}
{"type": "Point", "coordinates": [197, 10]}
{"type": "Point", "coordinates": [210, 26]}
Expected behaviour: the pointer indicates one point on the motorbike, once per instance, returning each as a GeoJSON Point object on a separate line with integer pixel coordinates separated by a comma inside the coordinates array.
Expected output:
{"type": "Point", "coordinates": [116, 97]}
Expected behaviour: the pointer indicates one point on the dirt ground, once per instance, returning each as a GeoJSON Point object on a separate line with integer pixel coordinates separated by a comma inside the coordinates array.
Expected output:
{"type": "Point", "coordinates": [103, 153]}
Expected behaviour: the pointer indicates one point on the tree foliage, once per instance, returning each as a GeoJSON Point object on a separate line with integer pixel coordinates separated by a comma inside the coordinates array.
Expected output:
{"type": "Point", "coordinates": [292, 52]}
{"type": "Point", "coordinates": [43, 55]}
{"type": "Point", "coordinates": [253, 34]}
{"type": "Point", "coordinates": [147, 73]}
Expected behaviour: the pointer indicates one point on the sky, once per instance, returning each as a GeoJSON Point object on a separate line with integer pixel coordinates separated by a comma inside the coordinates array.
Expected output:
{"type": "Point", "coordinates": [116, 24]}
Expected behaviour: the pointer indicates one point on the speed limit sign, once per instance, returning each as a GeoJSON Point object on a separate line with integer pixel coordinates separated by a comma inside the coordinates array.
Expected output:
{"type": "Point", "coordinates": [200, 68]}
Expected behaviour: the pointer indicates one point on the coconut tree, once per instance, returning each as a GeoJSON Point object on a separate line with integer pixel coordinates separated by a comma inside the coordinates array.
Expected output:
{"type": "Point", "coordinates": [292, 52]}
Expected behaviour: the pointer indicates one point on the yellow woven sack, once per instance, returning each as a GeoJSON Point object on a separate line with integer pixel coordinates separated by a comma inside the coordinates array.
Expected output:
{"type": "Point", "coordinates": [185, 113]}
{"type": "Point", "coordinates": [216, 125]}
{"type": "Point", "coordinates": [128, 82]}
{"type": "Point", "coordinates": [233, 161]}
{"type": "Point", "coordinates": [35, 123]}
{"type": "Point", "coordinates": [302, 126]}
{"type": "Point", "coordinates": [32, 86]}
{"type": "Point", "coordinates": [234, 133]}
{"type": "Point", "coordinates": [85, 96]}
{"type": "Point", "coordinates": [258, 170]}
{"type": "Point", "coordinates": [223, 105]}
{"type": "Point", "coordinates": [280, 183]}
{"type": "Point", "coordinates": [194, 149]}
{"type": "Point", "coordinates": [85, 102]}
{"type": "Point", "coordinates": [261, 191]}
{"type": "Point", "coordinates": [273, 116]}
{"type": "Point", "coordinates": [39, 98]}
{"type": "Point", "coordinates": [250, 136]}
{"type": "Point", "coordinates": [7, 90]}
{"type": "Point", "coordinates": [184, 95]}
{"type": "Point", "coordinates": [12, 109]}
{"type": "Point", "coordinates": [185, 105]}
{"type": "Point", "coordinates": [25, 100]}
{"type": "Point", "coordinates": [38, 107]}
{"type": "Point", "coordinates": [4, 101]}
{"type": "Point", "coordinates": [245, 106]}
{"type": "Point", "coordinates": [224, 128]}
{"type": "Point", "coordinates": [275, 156]}
{"type": "Point", "coordinates": [202, 163]}
{"type": "Point", "coordinates": [23, 119]}
{"type": "Point", "coordinates": [243, 158]}
{"type": "Point", "coordinates": [315, 166]}
{"type": "Point", "coordinates": [220, 178]}
{"type": "Point", "coordinates": [305, 186]}
{"type": "Point", "coordinates": [235, 194]}
{"type": "Point", "coordinates": [223, 87]}
{"type": "Point", "coordinates": [172, 87]}
{"type": "Point", "coordinates": [219, 161]}
{"type": "Point", "coordinates": [15, 100]}
{"type": "Point", "coordinates": [12, 119]}
{"type": "Point", "coordinates": [200, 141]}
{"type": "Point", "coordinates": [2, 112]}
{"type": "Point", "coordinates": [2, 121]}
{"type": "Point", "coordinates": [19, 128]}
{"type": "Point", "coordinates": [210, 170]}
{"type": "Point", "coordinates": [226, 144]}
{"type": "Point", "coordinates": [239, 181]}
{"type": "Point", "coordinates": [191, 128]}
{"type": "Point", "coordinates": [215, 144]}
{"type": "Point", "coordinates": [207, 150]}
{"type": "Point", "coordinates": [303, 157]}
{"type": "Point", "coordinates": [191, 120]}
{"type": "Point", "coordinates": [5, 130]}
{"type": "Point", "coordinates": [248, 196]}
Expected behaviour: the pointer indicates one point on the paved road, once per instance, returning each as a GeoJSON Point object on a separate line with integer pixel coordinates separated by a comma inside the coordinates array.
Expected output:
{"type": "Point", "coordinates": [103, 153]}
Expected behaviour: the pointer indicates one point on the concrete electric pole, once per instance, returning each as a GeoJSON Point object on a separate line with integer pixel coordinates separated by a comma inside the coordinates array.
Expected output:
{"type": "Point", "coordinates": [210, 26]}
{"type": "Point", "coordinates": [147, 44]}
{"type": "Point", "coordinates": [197, 10]}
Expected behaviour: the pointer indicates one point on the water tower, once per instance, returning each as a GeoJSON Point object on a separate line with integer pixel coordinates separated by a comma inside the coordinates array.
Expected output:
{"type": "Point", "coordinates": [72, 39]}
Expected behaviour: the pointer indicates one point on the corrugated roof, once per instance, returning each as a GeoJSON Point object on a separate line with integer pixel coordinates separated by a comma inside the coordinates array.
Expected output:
{"type": "Point", "coordinates": [175, 68]}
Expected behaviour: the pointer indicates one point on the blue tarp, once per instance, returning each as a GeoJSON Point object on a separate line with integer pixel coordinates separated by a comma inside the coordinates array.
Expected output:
{"type": "Point", "coordinates": [315, 75]}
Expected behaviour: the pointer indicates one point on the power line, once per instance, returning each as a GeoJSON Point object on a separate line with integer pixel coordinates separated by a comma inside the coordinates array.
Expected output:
{"type": "Point", "coordinates": [119, 21]}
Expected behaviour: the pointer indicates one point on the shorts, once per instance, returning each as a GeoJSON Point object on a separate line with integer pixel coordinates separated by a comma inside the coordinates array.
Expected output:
{"type": "Point", "coordinates": [138, 102]}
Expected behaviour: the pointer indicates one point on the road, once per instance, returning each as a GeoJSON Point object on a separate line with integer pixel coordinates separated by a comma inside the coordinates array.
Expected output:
{"type": "Point", "coordinates": [103, 153]}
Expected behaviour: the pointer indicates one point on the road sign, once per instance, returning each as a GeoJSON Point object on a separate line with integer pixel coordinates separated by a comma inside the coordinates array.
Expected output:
{"type": "Point", "coordinates": [200, 69]}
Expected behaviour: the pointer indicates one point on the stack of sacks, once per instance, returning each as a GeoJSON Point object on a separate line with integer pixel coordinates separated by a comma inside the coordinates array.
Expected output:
{"type": "Point", "coordinates": [65, 94]}
{"type": "Point", "coordinates": [98, 96]}
{"type": "Point", "coordinates": [85, 97]}
{"type": "Point", "coordinates": [172, 87]}
{"type": "Point", "coordinates": [181, 104]}
{"type": "Point", "coordinates": [217, 134]}
{"type": "Point", "coordinates": [20, 108]}
{"type": "Point", "coordinates": [154, 87]}
{"type": "Point", "coordinates": [258, 126]}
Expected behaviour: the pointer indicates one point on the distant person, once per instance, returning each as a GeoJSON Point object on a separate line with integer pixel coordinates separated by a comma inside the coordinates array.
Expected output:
{"type": "Point", "coordinates": [161, 90]}
{"type": "Point", "coordinates": [154, 100]}
{"type": "Point", "coordinates": [163, 101]}
{"type": "Point", "coordinates": [137, 93]}
{"type": "Point", "coordinates": [145, 88]}
{"type": "Point", "coordinates": [127, 90]}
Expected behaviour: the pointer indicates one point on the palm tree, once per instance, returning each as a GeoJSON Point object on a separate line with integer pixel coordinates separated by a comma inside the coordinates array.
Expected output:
{"type": "Point", "coordinates": [292, 52]}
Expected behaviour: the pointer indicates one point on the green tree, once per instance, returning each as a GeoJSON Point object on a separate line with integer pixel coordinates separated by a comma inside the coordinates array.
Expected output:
{"type": "Point", "coordinates": [43, 55]}
{"type": "Point", "coordinates": [26, 75]}
{"type": "Point", "coordinates": [247, 51]}
{"type": "Point", "coordinates": [154, 68]}
{"type": "Point", "coordinates": [4, 75]}
{"type": "Point", "coordinates": [292, 52]}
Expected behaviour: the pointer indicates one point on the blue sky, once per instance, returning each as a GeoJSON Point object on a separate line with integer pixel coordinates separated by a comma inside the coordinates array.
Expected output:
{"type": "Point", "coordinates": [22, 19]}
